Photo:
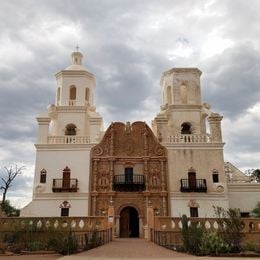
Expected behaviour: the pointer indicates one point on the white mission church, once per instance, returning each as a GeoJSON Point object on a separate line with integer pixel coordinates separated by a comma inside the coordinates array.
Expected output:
{"type": "Point", "coordinates": [176, 165]}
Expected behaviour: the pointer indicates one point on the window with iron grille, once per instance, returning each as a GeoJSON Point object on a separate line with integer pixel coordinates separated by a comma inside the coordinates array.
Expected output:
{"type": "Point", "coordinates": [64, 212]}
{"type": "Point", "coordinates": [194, 212]}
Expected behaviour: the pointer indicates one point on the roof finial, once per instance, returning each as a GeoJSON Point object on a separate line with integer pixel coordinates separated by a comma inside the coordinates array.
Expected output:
{"type": "Point", "coordinates": [77, 48]}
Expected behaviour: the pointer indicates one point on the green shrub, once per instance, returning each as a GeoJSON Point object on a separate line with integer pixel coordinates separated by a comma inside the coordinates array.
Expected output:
{"type": "Point", "coordinates": [3, 248]}
{"type": "Point", "coordinates": [192, 236]}
{"type": "Point", "coordinates": [230, 227]}
{"type": "Point", "coordinates": [64, 243]}
{"type": "Point", "coordinates": [256, 211]}
{"type": "Point", "coordinates": [36, 246]}
{"type": "Point", "coordinates": [213, 243]}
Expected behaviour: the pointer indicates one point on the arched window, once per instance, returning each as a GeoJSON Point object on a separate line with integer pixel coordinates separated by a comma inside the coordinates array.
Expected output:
{"type": "Point", "coordinates": [169, 95]}
{"type": "Point", "coordinates": [184, 94]}
{"type": "Point", "coordinates": [58, 95]}
{"type": "Point", "coordinates": [71, 129]}
{"type": "Point", "coordinates": [73, 93]}
{"type": "Point", "coordinates": [43, 176]}
{"type": "Point", "coordinates": [186, 128]}
{"type": "Point", "coordinates": [87, 94]}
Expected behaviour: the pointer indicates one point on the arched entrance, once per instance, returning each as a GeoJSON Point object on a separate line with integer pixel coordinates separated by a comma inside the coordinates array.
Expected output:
{"type": "Point", "coordinates": [129, 222]}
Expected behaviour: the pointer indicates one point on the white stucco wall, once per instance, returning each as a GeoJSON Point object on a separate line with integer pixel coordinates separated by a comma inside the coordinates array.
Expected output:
{"type": "Point", "coordinates": [244, 196]}
{"type": "Point", "coordinates": [50, 207]}
{"type": "Point", "coordinates": [180, 205]}
{"type": "Point", "coordinates": [55, 160]}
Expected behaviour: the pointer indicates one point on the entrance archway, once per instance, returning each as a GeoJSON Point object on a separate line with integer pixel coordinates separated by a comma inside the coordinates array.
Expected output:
{"type": "Point", "coordinates": [129, 222]}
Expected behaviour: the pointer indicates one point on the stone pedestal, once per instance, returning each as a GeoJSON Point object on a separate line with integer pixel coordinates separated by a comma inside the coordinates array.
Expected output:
{"type": "Point", "coordinates": [111, 219]}
{"type": "Point", "coordinates": [150, 222]}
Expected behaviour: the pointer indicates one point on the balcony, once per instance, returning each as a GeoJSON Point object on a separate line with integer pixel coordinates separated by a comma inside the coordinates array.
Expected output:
{"type": "Point", "coordinates": [193, 185]}
{"type": "Point", "coordinates": [130, 183]}
{"type": "Point", "coordinates": [65, 185]}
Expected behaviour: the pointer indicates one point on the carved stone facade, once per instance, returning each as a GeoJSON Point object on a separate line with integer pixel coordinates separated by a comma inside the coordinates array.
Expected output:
{"type": "Point", "coordinates": [127, 146]}
{"type": "Point", "coordinates": [134, 172]}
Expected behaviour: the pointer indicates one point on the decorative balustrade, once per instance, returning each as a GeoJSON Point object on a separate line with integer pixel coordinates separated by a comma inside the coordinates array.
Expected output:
{"type": "Point", "coordinates": [189, 139]}
{"type": "Point", "coordinates": [167, 230]}
{"type": "Point", "coordinates": [133, 182]}
{"type": "Point", "coordinates": [193, 185]}
{"type": "Point", "coordinates": [68, 139]}
{"type": "Point", "coordinates": [65, 185]}
{"type": "Point", "coordinates": [72, 102]}
{"type": "Point", "coordinates": [77, 224]}
{"type": "Point", "coordinates": [90, 232]}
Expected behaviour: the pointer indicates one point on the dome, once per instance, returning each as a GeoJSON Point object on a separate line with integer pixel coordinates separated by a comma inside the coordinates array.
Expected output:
{"type": "Point", "coordinates": [75, 67]}
{"type": "Point", "coordinates": [76, 58]}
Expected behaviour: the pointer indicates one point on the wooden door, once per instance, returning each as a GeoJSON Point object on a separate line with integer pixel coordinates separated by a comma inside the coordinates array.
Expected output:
{"type": "Point", "coordinates": [192, 180]}
{"type": "Point", "coordinates": [66, 179]}
{"type": "Point", "coordinates": [129, 175]}
{"type": "Point", "coordinates": [124, 223]}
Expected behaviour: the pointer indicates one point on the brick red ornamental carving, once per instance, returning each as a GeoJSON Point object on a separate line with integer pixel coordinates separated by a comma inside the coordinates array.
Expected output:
{"type": "Point", "coordinates": [129, 145]}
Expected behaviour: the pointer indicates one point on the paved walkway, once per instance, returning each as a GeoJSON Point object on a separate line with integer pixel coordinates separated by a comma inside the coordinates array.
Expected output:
{"type": "Point", "coordinates": [126, 249]}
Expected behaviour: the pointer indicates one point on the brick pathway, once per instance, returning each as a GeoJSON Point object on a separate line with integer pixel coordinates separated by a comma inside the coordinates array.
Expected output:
{"type": "Point", "coordinates": [126, 249]}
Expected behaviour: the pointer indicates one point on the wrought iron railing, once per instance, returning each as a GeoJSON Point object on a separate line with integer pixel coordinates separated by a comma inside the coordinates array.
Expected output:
{"type": "Point", "coordinates": [133, 182]}
{"type": "Point", "coordinates": [65, 185]}
{"type": "Point", "coordinates": [193, 185]}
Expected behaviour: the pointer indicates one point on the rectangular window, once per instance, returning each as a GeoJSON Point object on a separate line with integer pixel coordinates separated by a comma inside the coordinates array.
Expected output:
{"type": "Point", "coordinates": [244, 214]}
{"type": "Point", "coordinates": [64, 212]}
{"type": "Point", "coordinates": [215, 177]}
{"type": "Point", "coordinates": [194, 212]}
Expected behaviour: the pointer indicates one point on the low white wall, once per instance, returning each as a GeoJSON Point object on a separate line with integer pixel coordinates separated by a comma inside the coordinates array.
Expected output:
{"type": "Point", "coordinates": [51, 207]}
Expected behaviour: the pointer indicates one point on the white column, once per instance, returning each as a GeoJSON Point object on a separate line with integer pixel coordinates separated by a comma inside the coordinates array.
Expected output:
{"type": "Point", "coordinates": [43, 131]}
{"type": "Point", "coordinates": [95, 127]}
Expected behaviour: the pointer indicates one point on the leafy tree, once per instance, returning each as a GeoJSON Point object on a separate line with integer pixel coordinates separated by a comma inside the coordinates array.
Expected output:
{"type": "Point", "coordinates": [254, 174]}
{"type": "Point", "coordinates": [230, 226]}
{"type": "Point", "coordinates": [256, 211]}
{"type": "Point", "coordinates": [10, 210]}
{"type": "Point", "coordinates": [7, 178]}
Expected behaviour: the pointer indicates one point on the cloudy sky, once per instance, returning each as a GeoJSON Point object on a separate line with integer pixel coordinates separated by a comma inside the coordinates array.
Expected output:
{"type": "Point", "coordinates": [127, 44]}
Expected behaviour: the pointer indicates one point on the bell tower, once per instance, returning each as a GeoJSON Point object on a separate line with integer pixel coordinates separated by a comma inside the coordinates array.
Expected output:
{"type": "Point", "coordinates": [181, 86]}
{"type": "Point", "coordinates": [75, 85]}
{"type": "Point", "coordinates": [182, 112]}
{"type": "Point", "coordinates": [74, 112]}
{"type": "Point", "coordinates": [191, 132]}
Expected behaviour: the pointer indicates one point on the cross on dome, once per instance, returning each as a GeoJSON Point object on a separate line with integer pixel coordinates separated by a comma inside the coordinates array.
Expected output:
{"type": "Point", "coordinates": [76, 56]}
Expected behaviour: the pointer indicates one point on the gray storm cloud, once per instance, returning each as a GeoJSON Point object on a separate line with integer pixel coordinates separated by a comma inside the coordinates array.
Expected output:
{"type": "Point", "coordinates": [127, 45]}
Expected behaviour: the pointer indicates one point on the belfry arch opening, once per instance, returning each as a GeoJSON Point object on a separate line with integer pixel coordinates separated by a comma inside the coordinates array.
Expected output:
{"type": "Point", "coordinates": [186, 128]}
{"type": "Point", "coordinates": [73, 92]}
{"type": "Point", "coordinates": [71, 129]}
{"type": "Point", "coordinates": [129, 222]}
